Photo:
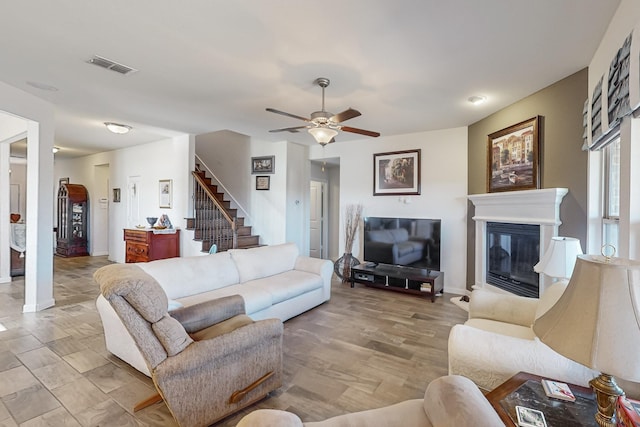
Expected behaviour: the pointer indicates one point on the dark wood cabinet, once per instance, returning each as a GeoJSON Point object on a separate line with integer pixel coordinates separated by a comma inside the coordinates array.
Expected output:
{"type": "Point", "coordinates": [147, 245]}
{"type": "Point", "coordinates": [73, 210]}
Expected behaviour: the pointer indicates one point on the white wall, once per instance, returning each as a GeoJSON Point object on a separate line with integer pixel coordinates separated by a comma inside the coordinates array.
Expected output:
{"type": "Point", "coordinates": [297, 203]}
{"type": "Point", "coordinates": [228, 155]}
{"type": "Point", "coordinates": [443, 189]}
{"type": "Point", "coordinates": [165, 159]}
{"type": "Point", "coordinates": [625, 21]}
{"type": "Point", "coordinates": [268, 209]}
{"type": "Point", "coordinates": [40, 132]}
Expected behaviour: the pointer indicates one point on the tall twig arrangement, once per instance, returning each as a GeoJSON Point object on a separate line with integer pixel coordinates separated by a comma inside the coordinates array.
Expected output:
{"type": "Point", "coordinates": [352, 217]}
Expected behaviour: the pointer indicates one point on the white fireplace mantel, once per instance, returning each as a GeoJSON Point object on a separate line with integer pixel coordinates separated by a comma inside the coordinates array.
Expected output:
{"type": "Point", "coordinates": [537, 207]}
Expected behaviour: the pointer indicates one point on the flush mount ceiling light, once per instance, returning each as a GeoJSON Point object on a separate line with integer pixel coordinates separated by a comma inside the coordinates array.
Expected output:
{"type": "Point", "coordinates": [117, 127]}
{"type": "Point", "coordinates": [477, 100]}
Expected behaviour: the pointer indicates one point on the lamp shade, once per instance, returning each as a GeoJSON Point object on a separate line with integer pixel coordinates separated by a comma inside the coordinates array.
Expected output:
{"type": "Point", "coordinates": [596, 321]}
{"type": "Point", "coordinates": [323, 135]}
{"type": "Point", "coordinates": [560, 257]}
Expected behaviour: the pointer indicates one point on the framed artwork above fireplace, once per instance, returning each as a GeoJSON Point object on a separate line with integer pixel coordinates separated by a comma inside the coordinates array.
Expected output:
{"type": "Point", "coordinates": [513, 157]}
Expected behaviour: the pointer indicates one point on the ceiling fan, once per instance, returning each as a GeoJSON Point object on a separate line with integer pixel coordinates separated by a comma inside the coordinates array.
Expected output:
{"type": "Point", "coordinates": [323, 125]}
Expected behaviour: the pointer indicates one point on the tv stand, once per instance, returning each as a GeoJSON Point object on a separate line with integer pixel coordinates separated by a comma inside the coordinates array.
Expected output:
{"type": "Point", "coordinates": [418, 281]}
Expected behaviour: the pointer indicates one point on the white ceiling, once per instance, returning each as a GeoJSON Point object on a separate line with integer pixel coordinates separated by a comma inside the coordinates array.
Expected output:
{"type": "Point", "coordinates": [207, 65]}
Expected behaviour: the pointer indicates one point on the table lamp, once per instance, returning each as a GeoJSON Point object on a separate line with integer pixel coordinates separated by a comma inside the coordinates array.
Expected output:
{"type": "Point", "coordinates": [596, 322]}
{"type": "Point", "coordinates": [559, 259]}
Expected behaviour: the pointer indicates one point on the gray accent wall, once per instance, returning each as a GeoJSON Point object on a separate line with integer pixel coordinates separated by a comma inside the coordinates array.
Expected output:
{"type": "Point", "coordinates": [562, 161]}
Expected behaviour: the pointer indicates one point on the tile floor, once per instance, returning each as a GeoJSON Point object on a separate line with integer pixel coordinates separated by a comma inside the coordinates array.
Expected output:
{"type": "Point", "coordinates": [365, 348]}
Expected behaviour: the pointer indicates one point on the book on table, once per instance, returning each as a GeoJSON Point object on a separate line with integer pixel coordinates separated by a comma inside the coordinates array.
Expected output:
{"type": "Point", "coordinates": [558, 390]}
{"type": "Point", "coordinates": [528, 417]}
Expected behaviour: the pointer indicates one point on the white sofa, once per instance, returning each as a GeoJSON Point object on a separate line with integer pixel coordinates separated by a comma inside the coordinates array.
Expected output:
{"type": "Point", "coordinates": [449, 401]}
{"type": "Point", "coordinates": [497, 341]}
{"type": "Point", "coordinates": [274, 281]}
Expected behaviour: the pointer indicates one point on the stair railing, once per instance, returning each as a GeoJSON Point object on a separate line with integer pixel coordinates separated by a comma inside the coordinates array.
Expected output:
{"type": "Point", "coordinates": [202, 166]}
{"type": "Point", "coordinates": [212, 221]}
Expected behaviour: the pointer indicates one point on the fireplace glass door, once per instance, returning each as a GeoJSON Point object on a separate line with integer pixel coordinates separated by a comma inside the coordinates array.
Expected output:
{"type": "Point", "coordinates": [512, 251]}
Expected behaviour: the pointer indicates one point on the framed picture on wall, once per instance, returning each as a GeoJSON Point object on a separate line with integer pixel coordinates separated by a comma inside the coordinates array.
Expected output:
{"type": "Point", "coordinates": [512, 157]}
{"type": "Point", "coordinates": [116, 195]}
{"type": "Point", "coordinates": [166, 192]}
{"type": "Point", "coordinates": [263, 182]}
{"type": "Point", "coordinates": [264, 164]}
{"type": "Point", "coordinates": [396, 173]}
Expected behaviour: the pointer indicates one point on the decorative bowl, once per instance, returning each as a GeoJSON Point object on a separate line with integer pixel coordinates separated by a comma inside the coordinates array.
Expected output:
{"type": "Point", "coordinates": [152, 220]}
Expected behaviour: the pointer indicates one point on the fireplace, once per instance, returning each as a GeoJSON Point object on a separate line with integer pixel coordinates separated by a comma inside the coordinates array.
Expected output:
{"type": "Point", "coordinates": [539, 208]}
{"type": "Point", "coordinates": [512, 251]}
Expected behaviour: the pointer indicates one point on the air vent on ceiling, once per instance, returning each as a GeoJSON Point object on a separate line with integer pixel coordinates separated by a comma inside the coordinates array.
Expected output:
{"type": "Point", "coordinates": [111, 65]}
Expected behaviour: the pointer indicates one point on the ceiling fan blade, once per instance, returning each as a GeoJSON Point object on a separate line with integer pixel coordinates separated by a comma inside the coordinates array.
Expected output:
{"type": "Point", "coordinates": [347, 114]}
{"type": "Point", "coordinates": [272, 110]}
{"type": "Point", "coordinates": [360, 131]}
{"type": "Point", "coordinates": [292, 130]}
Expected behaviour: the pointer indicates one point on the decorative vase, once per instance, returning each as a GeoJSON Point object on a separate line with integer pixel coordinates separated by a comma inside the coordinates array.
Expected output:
{"type": "Point", "coordinates": [342, 266]}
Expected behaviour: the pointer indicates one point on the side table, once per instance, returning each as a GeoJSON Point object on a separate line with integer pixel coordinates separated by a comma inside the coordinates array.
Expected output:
{"type": "Point", "coordinates": [524, 389]}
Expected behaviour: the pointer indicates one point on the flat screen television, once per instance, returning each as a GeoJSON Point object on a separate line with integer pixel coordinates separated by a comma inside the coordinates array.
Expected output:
{"type": "Point", "coordinates": [413, 242]}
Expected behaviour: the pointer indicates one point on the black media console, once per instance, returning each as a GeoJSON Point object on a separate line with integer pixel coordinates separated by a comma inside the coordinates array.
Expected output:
{"type": "Point", "coordinates": [419, 281]}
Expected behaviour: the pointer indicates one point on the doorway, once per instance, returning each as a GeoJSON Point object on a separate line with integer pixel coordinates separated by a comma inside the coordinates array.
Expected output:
{"type": "Point", "coordinates": [317, 219]}
{"type": "Point", "coordinates": [99, 242]}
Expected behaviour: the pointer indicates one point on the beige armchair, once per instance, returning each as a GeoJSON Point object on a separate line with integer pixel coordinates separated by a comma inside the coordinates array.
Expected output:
{"type": "Point", "coordinates": [207, 360]}
{"type": "Point", "coordinates": [497, 341]}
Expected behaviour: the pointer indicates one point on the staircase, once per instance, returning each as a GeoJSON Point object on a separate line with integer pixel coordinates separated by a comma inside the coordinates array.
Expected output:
{"type": "Point", "coordinates": [214, 221]}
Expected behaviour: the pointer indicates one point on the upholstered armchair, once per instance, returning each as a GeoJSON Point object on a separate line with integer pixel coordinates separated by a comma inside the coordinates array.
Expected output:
{"type": "Point", "coordinates": [207, 360]}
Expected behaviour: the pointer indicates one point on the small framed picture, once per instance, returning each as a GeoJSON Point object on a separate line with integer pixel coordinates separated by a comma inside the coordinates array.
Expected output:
{"type": "Point", "coordinates": [528, 417]}
{"type": "Point", "coordinates": [116, 195]}
{"type": "Point", "coordinates": [262, 182]}
{"type": "Point", "coordinates": [166, 190]}
{"type": "Point", "coordinates": [264, 164]}
{"type": "Point", "coordinates": [63, 181]}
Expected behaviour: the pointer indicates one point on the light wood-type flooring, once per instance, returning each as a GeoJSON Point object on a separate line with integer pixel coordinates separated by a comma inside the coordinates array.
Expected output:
{"type": "Point", "coordinates": [363, 349]}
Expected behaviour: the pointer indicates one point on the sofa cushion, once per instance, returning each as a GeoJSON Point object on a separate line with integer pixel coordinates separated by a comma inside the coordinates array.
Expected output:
{"type": "Point", "coordinates": [180, 277]}
{"type": "Point", "coordinates": [457, 401]}
{"type": "Point", "coordinates": [502, 328]}
{"type": "Point", "coordinates": [255, 299]}
{"type": "Point", "coordinates": [134, 285]}
{"type": "Point", "coordinates": [287, 285]}
{"type": "Point", "coordinates": [222, 328]}
{"type": "Point", "coordinates": [171, 334]}
{"type": "Point", "coordinates": [264, 261]}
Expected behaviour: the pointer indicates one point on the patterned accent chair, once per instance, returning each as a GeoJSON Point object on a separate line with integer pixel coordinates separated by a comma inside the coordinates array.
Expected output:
{"type": "Point", "coordinates": [208, 360]}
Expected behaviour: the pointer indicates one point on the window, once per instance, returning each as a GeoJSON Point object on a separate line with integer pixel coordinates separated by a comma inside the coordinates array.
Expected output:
{"type": "Point", "coordinates": [611, 211]}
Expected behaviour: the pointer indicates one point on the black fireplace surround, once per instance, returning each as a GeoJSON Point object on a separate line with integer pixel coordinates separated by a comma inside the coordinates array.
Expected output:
{"type": "Point", "coordinates": [512, 251]}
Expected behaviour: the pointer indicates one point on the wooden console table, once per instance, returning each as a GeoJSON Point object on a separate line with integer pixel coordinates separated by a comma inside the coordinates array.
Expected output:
{"type": "Point", "coordinates": [418, 281]}
{"type": "Point", "coordinates": [149, 245]}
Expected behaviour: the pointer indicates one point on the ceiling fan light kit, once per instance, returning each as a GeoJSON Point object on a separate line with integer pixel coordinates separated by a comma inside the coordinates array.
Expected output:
{"type": "Point", "coordinates": [323, 135]}
{"type": "Point", "coordinates": [323, 125]}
